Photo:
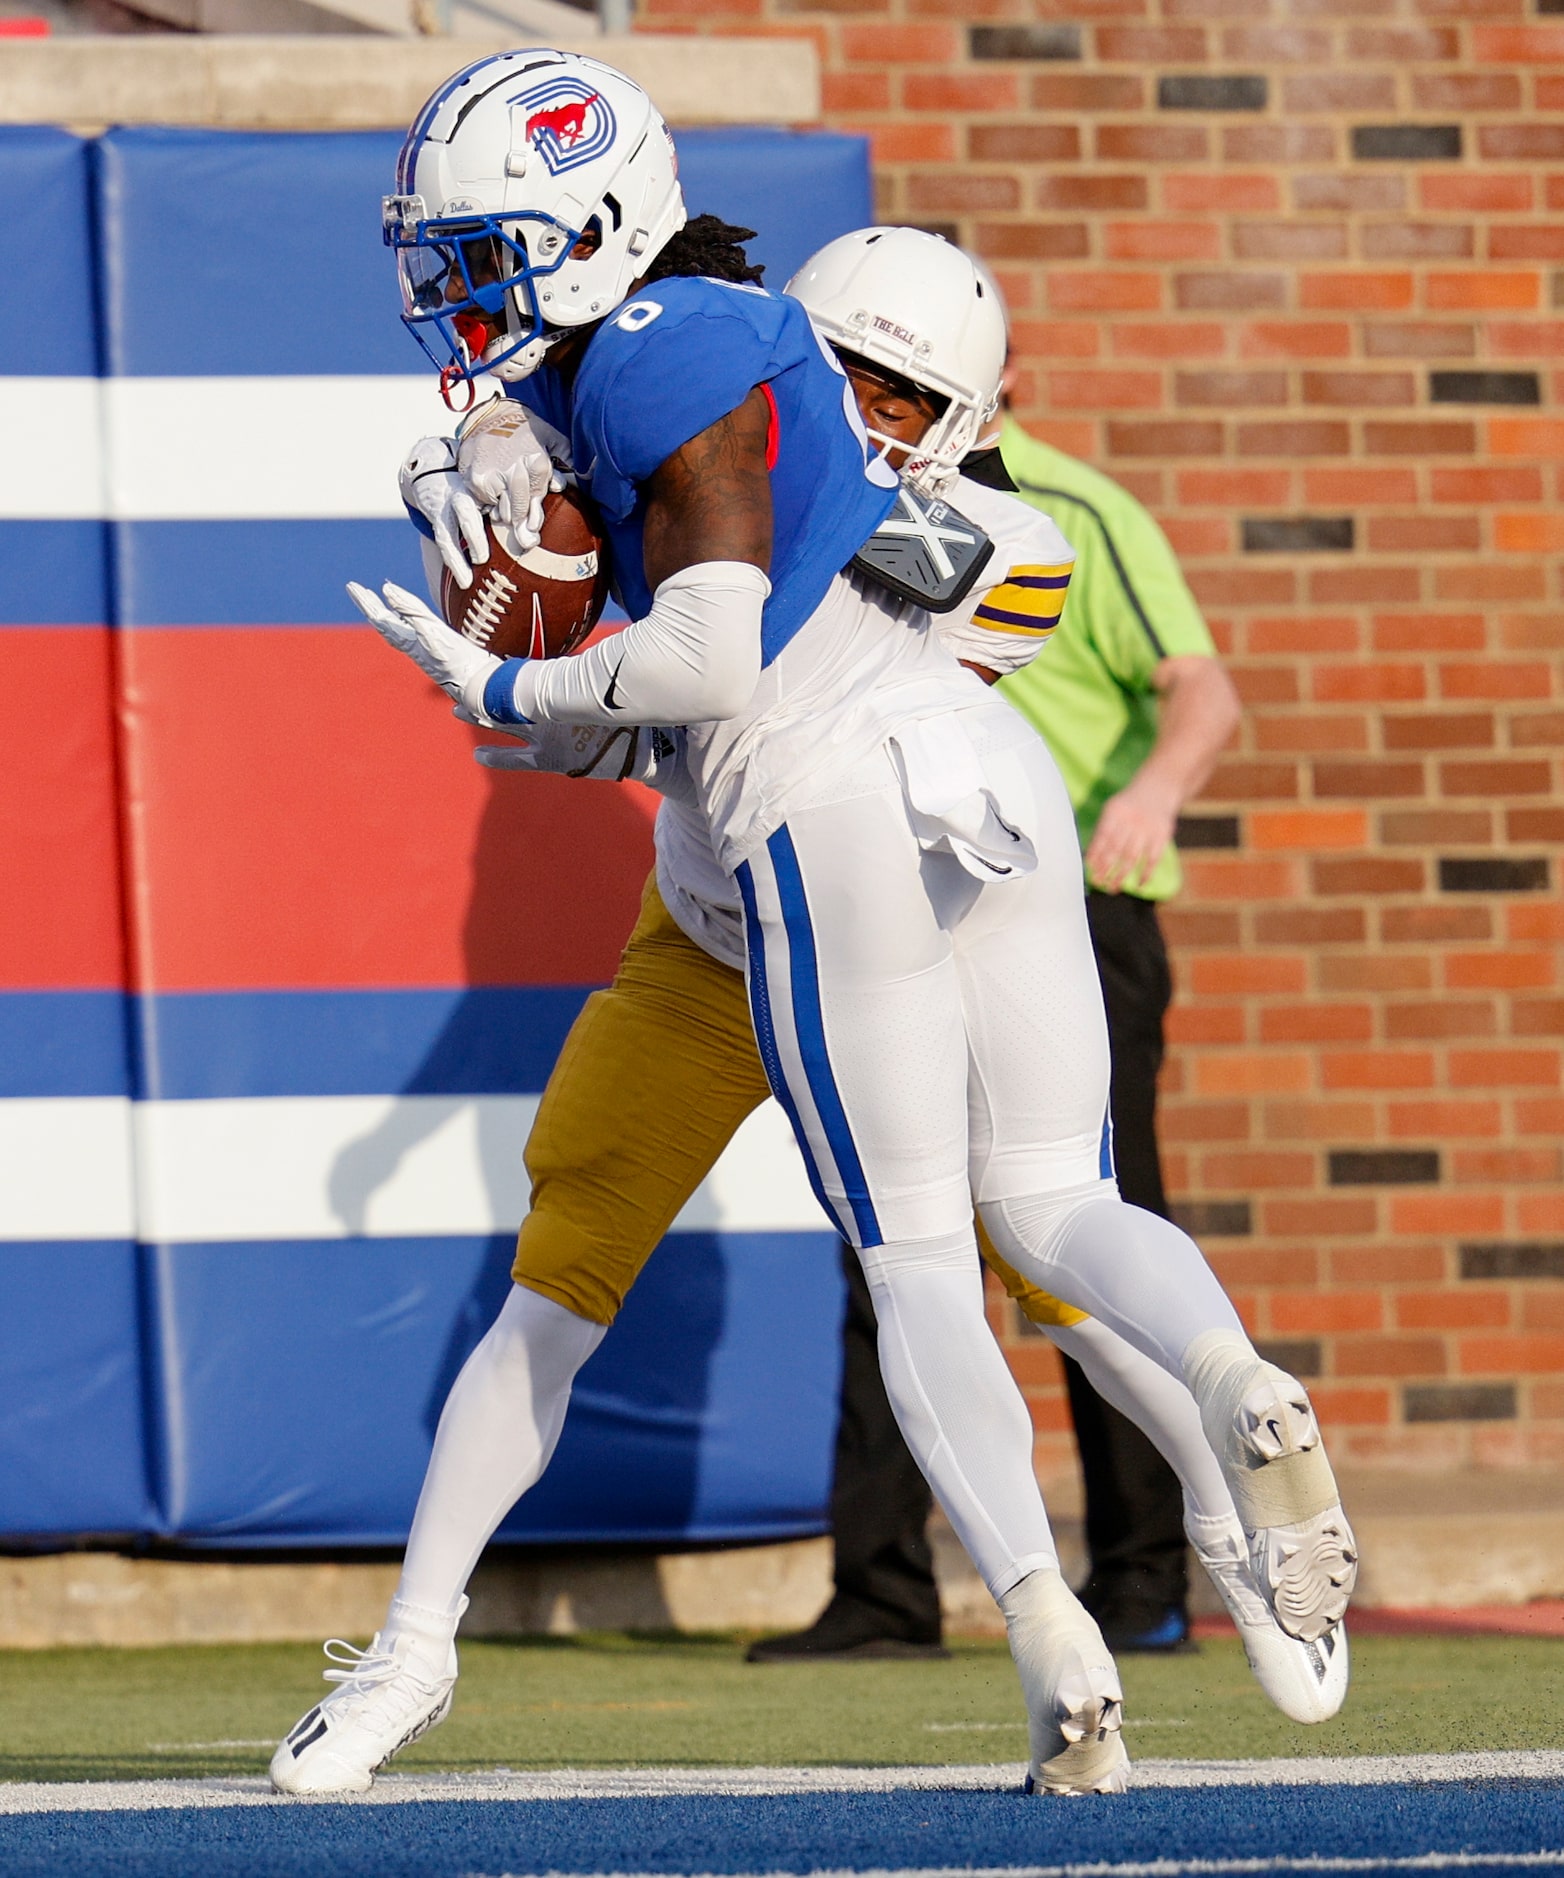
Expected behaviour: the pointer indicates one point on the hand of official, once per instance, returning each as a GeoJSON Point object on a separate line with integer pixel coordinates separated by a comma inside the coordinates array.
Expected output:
{"type": "Point", "coordinates": [504, 458]}
{"type": "Point", "coordinates": [457, 666]}
{"type": "Point", "coordinates": [1132, 832]}
{"type": "Point", "coordinates": [430, 485]}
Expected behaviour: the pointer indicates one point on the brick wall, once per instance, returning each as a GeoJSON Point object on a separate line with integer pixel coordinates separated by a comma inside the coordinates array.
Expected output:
{"type": "Point", "coordinates": [1293, 271]}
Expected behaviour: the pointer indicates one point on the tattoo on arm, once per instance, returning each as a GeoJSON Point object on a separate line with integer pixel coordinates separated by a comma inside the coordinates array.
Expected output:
{"type": "Point", "coordinates": [711, 500]}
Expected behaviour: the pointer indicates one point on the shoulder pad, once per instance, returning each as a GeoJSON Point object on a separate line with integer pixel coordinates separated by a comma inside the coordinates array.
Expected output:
{"type": "Point", "coordinates": [926, 552]}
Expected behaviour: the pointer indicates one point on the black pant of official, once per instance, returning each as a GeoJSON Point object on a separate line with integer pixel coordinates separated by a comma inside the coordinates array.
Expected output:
{"type": "Point", "coordinates": [880, 1502]}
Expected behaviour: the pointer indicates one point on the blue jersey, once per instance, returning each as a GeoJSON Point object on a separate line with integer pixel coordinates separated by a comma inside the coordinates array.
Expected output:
{"type": "Point", "coordinates": [679, 356]}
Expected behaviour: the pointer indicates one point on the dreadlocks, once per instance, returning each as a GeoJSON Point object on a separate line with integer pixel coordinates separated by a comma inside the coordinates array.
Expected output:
{"type": "Point", "coordinates": [709, 247]}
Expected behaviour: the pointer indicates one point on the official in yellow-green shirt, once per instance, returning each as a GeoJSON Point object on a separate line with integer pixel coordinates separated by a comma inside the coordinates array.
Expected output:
{"type": "Point", "coordinates": [1133, 701]}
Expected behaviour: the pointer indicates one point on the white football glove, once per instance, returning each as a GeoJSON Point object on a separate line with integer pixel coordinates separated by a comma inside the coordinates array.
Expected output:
{"type": "Point", "coordinates": [506, 457]}
{"type": "Point", "coordinates": [620, 753]}
{"type": "Point", "coordinates": [430, 484]}
{"type": "Point", "coordinates": [455, 664]}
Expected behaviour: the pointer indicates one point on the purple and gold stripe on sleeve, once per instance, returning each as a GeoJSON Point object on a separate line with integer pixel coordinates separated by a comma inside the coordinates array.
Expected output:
{"type": "Point", "coordinates": [1028, 600]}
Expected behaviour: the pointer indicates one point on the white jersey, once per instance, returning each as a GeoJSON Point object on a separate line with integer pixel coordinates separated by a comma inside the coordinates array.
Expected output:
{"type": "Point", "coordinates": [863, 667]}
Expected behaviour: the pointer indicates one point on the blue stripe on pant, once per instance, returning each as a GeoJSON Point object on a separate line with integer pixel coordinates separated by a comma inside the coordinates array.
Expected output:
{"type": "Point", "coordinates": [766, 1035]}
{"type": "Point", "coordinates": [809, 1030]}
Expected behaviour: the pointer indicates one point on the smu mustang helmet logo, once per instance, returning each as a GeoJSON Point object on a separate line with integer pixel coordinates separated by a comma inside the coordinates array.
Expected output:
{"type": "Point", "coordinates": [568, 123]}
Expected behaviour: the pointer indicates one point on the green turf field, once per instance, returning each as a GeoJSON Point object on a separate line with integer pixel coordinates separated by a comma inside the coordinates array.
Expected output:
{"type": "Point", "coordinates": [613, 1700]}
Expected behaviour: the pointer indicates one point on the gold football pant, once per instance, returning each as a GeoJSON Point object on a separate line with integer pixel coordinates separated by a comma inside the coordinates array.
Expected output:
{"type": "Point", "coordinates": [655, 1077]}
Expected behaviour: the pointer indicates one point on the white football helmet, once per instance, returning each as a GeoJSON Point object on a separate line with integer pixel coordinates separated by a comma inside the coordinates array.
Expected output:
{"type": "Point", "coordinates": [925, 309]}
{"type": "Point", "coordinates": [512, 165]}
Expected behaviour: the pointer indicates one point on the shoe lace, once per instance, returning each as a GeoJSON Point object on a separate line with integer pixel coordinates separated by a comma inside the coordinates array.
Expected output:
{"type": "Point", "coordinates": [363, 1674]}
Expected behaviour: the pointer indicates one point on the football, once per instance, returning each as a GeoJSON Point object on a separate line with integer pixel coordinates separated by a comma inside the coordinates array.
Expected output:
{"type": "Point", "coordinates": [541, 604]}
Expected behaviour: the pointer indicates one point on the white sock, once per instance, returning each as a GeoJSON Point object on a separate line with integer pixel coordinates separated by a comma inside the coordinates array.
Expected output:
{"type": "Point", "coordinates": [1160, 1407]}
{"type": "Point", "coordinates": [1135, 1272]}
{"type": "Point", "coordinates": [497, 1431]}
{"type": "Point", "coordinates": [957, 1404]}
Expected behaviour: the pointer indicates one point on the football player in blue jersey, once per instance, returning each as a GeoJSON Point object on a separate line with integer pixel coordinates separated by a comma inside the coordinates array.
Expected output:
{"type": "Point", "coordinates": [919, 971]}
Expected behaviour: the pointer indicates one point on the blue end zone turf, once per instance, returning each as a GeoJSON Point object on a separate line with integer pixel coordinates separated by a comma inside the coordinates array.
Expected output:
{"type": "Point", "coordinates": [1493, 1826]}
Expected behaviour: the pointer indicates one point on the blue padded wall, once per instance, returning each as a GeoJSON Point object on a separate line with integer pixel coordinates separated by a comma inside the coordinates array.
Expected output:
{"type": "Point", "coordinates": [336, 909]}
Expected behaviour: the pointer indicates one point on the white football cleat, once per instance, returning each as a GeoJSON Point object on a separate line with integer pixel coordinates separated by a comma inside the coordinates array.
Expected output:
{"type": "Point", "coordinates": [1306, 1681]}
{"type": "Point", "coordinates": [1260, 1424]}
{"type": "Point", "coordinates": [1074, 1704]}
{"type": "Point", "coordinates": [388, 1696]}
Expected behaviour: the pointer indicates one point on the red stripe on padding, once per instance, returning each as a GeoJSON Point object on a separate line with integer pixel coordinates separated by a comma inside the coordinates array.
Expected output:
{"type": "Point", "coordinates": [61, 922]}
{"type": "Point", "coordinates": [308, 815]}
{"type": "Point", "coordinates": [773, 429]}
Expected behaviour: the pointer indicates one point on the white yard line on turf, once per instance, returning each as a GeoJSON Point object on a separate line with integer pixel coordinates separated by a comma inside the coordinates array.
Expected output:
{"type": "Point", "coordinates": [661, 1782]}
{"type": "Point", "coordinates": [1173, 1867]}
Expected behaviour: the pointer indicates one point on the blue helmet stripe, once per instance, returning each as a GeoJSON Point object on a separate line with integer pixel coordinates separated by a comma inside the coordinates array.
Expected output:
{"type": "Point", "coordinates": [420, 125]}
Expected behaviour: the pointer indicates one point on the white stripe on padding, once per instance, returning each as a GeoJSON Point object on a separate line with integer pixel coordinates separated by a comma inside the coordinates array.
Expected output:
{"type": "Point", "coordinates": [263, 449]}
{"type": "Point", "coordinates": [65, 1168]}
{"type": "Point", "coordinates": [325, 1167]}
{"type": "Point", "coordinates": [52, 466]}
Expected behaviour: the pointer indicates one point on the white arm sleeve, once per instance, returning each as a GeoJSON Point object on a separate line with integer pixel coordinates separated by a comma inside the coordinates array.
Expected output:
{"type": "Point", "coordinates": [694, 659]}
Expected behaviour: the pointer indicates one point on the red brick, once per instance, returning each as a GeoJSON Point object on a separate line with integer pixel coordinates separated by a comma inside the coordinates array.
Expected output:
{"type": "Point", "coordinates": [1204, 1121]}
{"type": "Point", "coordinates": [1511, 971]}
{"type": "Point", "coordinates": [1483, 192]}
{"type": "Point", "coordinates": [1229, 292]}
{"type": "Point", "coordinates": [855, 91]}
{"type": "Point", "coordinates": [1033, 241]}
{"type": "Point", "coordinates": [1534, 729]}
{"type": "Point", "coordinates": [1317, 1023]}
{"type": "Point", "coordinates": [1349, 192]}
{"type": "Point", "coordinates": [1151, 45]}
{"type": "Point", "coordinates": [1526, 243]}
{"type": "Point", "coordinates": [1443, 1018]}
{"type": "Point", "coordinates": [1359, 388]}
{"type": "Point", "coordinates": [1150, 143]}
{"type": "Point", "coordinates": [1242, 586]}
{"type": "Point", "coordinates": [1529, 534]}
{"type": "Point", "coordinates": [1376, 1069]}
{"type": "Point", "coordinates": [1023, 143]}
{"type": "Point", "coordinates": [1169, 339]}
{"type": "Point", "coordinates": [1298, 1312]}
{"type": "Point", "coordinates": [1425, 1121]}
{"type": "Point", "coordinates": [1204, 191]}
{"type": "Point", "coordinates": [1540, 1213]}
{"type": "Point", "coordinates": [906, 143]}
{"type": "Point", "coordinates": [1295, 339]}
{"type": "Point", "coordinates": [1235, 1072]}
{"type": "Point", "coordinates": [1373, 973]}
{"type": "Point", "coordinates": [1419, 339]}
{"type": "Point", "coordinates": [1087, 91]}
{"type": "Point", "coordinates": [1252, 1268]}
{"type": "Point", "coordinates": [1435, 925]}
{"type": "Point", "coordinates": [1237, 975]}
{"type": "Point", "coordinates": [1197, 535]}
{"type": "Point", "coordinates": [1387, 586]}
{"type": "Point", "coordinates": [1510, 1167]}
{"type": "Point", "coordinates": [1536, 824]}
{"type": "Point", "coordinates": [1214, 877]}
{"type": "Point", "coordinates": [1230, 390]}
{"type": "Point", "coordinates": [1513, 580]}
{"type": "Point", "coordinates": [1452, 1310]}
{"type": "Point", "coordinates": [1337, 92]}
{"type": "Point", "coordinates": [1492, 1069]}
{"type": "Point", "coordinates": [1297, 437]}
{"type": "Point", "coordinates": [1526, 436]}
{"type": "Point", "coordinates": [1368, 781]}
{"type": "Point", "coordinates": [1250, 1170]}
{"type": "Point", "coordinates": [1416, 241]}
{"type": "Point", "coordinates": [1314, 633]}
{"type": "Point", "coordinates": [1307, 830]}
{"type": "Point", "coordinates": [1206, 1024]}
{"type": "Point", "coordinates": [966, 193]}
{"type": "Point", "coordinates": [1278, 143]}
{"type": "Point", "coordinates": [1310, 732]}
{"type": "Point", "coordinates": [1358, 488]}
{"type": "Point", "coordinates": [1276, 45]}
{"type": "Point", "coordinates": [1526, 339]}
{"type": "Point", "coordinates": [1339, 1408]}
{"type": "Point", "coordinates": [1162, 241]}
{"type": "Point", "coordinates": [1173, 437]}
{"type": "Point", "coordinates": [1429, 632]}
{"type": "Point", "coordinates": [1520, 45]}
{"type": "Point", "coordinates": [1092, 192]}
{"type": "Point", "coordinates": [1517, 483]}
{"type": "Point", "coordinates": [997, 90]}
{"type": "Point", "coordinates": [1422, 828]}
{"type": "Point", "coordinates": [1249, 782]}
{"type": "Point", "coordinates": [1055, 339]}
{"type": "Point", "coordinates": [1389, 1356]}
{"type": "Point", "coordinates": [1520, 143]}
{"type": "Point", "coordinates": [1488, 779]}
{"type": "Point", "coordinates": [1362, 292]}
{"type": "Point", "coordinates": [1289, 241]}
{"type": "Point", "coordinates": [1316, 1121]}
{"type": "Point", "coordinates": [1498, 679]}
{"type": "Point", "coordinates": [1537, 1017]}
{"type": "Point", "coordinates": [1318, 1219]}
{"type": "Point", "coordinates": [885, 44]}
{"type": "Point", "coordinates": [1466, 731]}
{"type": "Point", "coordinates": [1520, 290]}
{"type": "Point", "coordinates": [1517, 1355]}
{"type": "Point", "coordinates": [1397, 45]}
{"type": "Point", "coordinates": [1423, 534]}
{"type": "Point", "coordinates": [1388, 1264]}
{"type": "Point", "coordinates": [1072, 292]}
{"type": "Point", "coordinates": [1382, 682]}
{"type": "Point", "coordinates": [1310, 926]}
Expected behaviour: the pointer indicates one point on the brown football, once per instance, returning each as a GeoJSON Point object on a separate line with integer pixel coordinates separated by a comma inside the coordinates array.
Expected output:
{"type": "Point", "coordinates": [538, 605]}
